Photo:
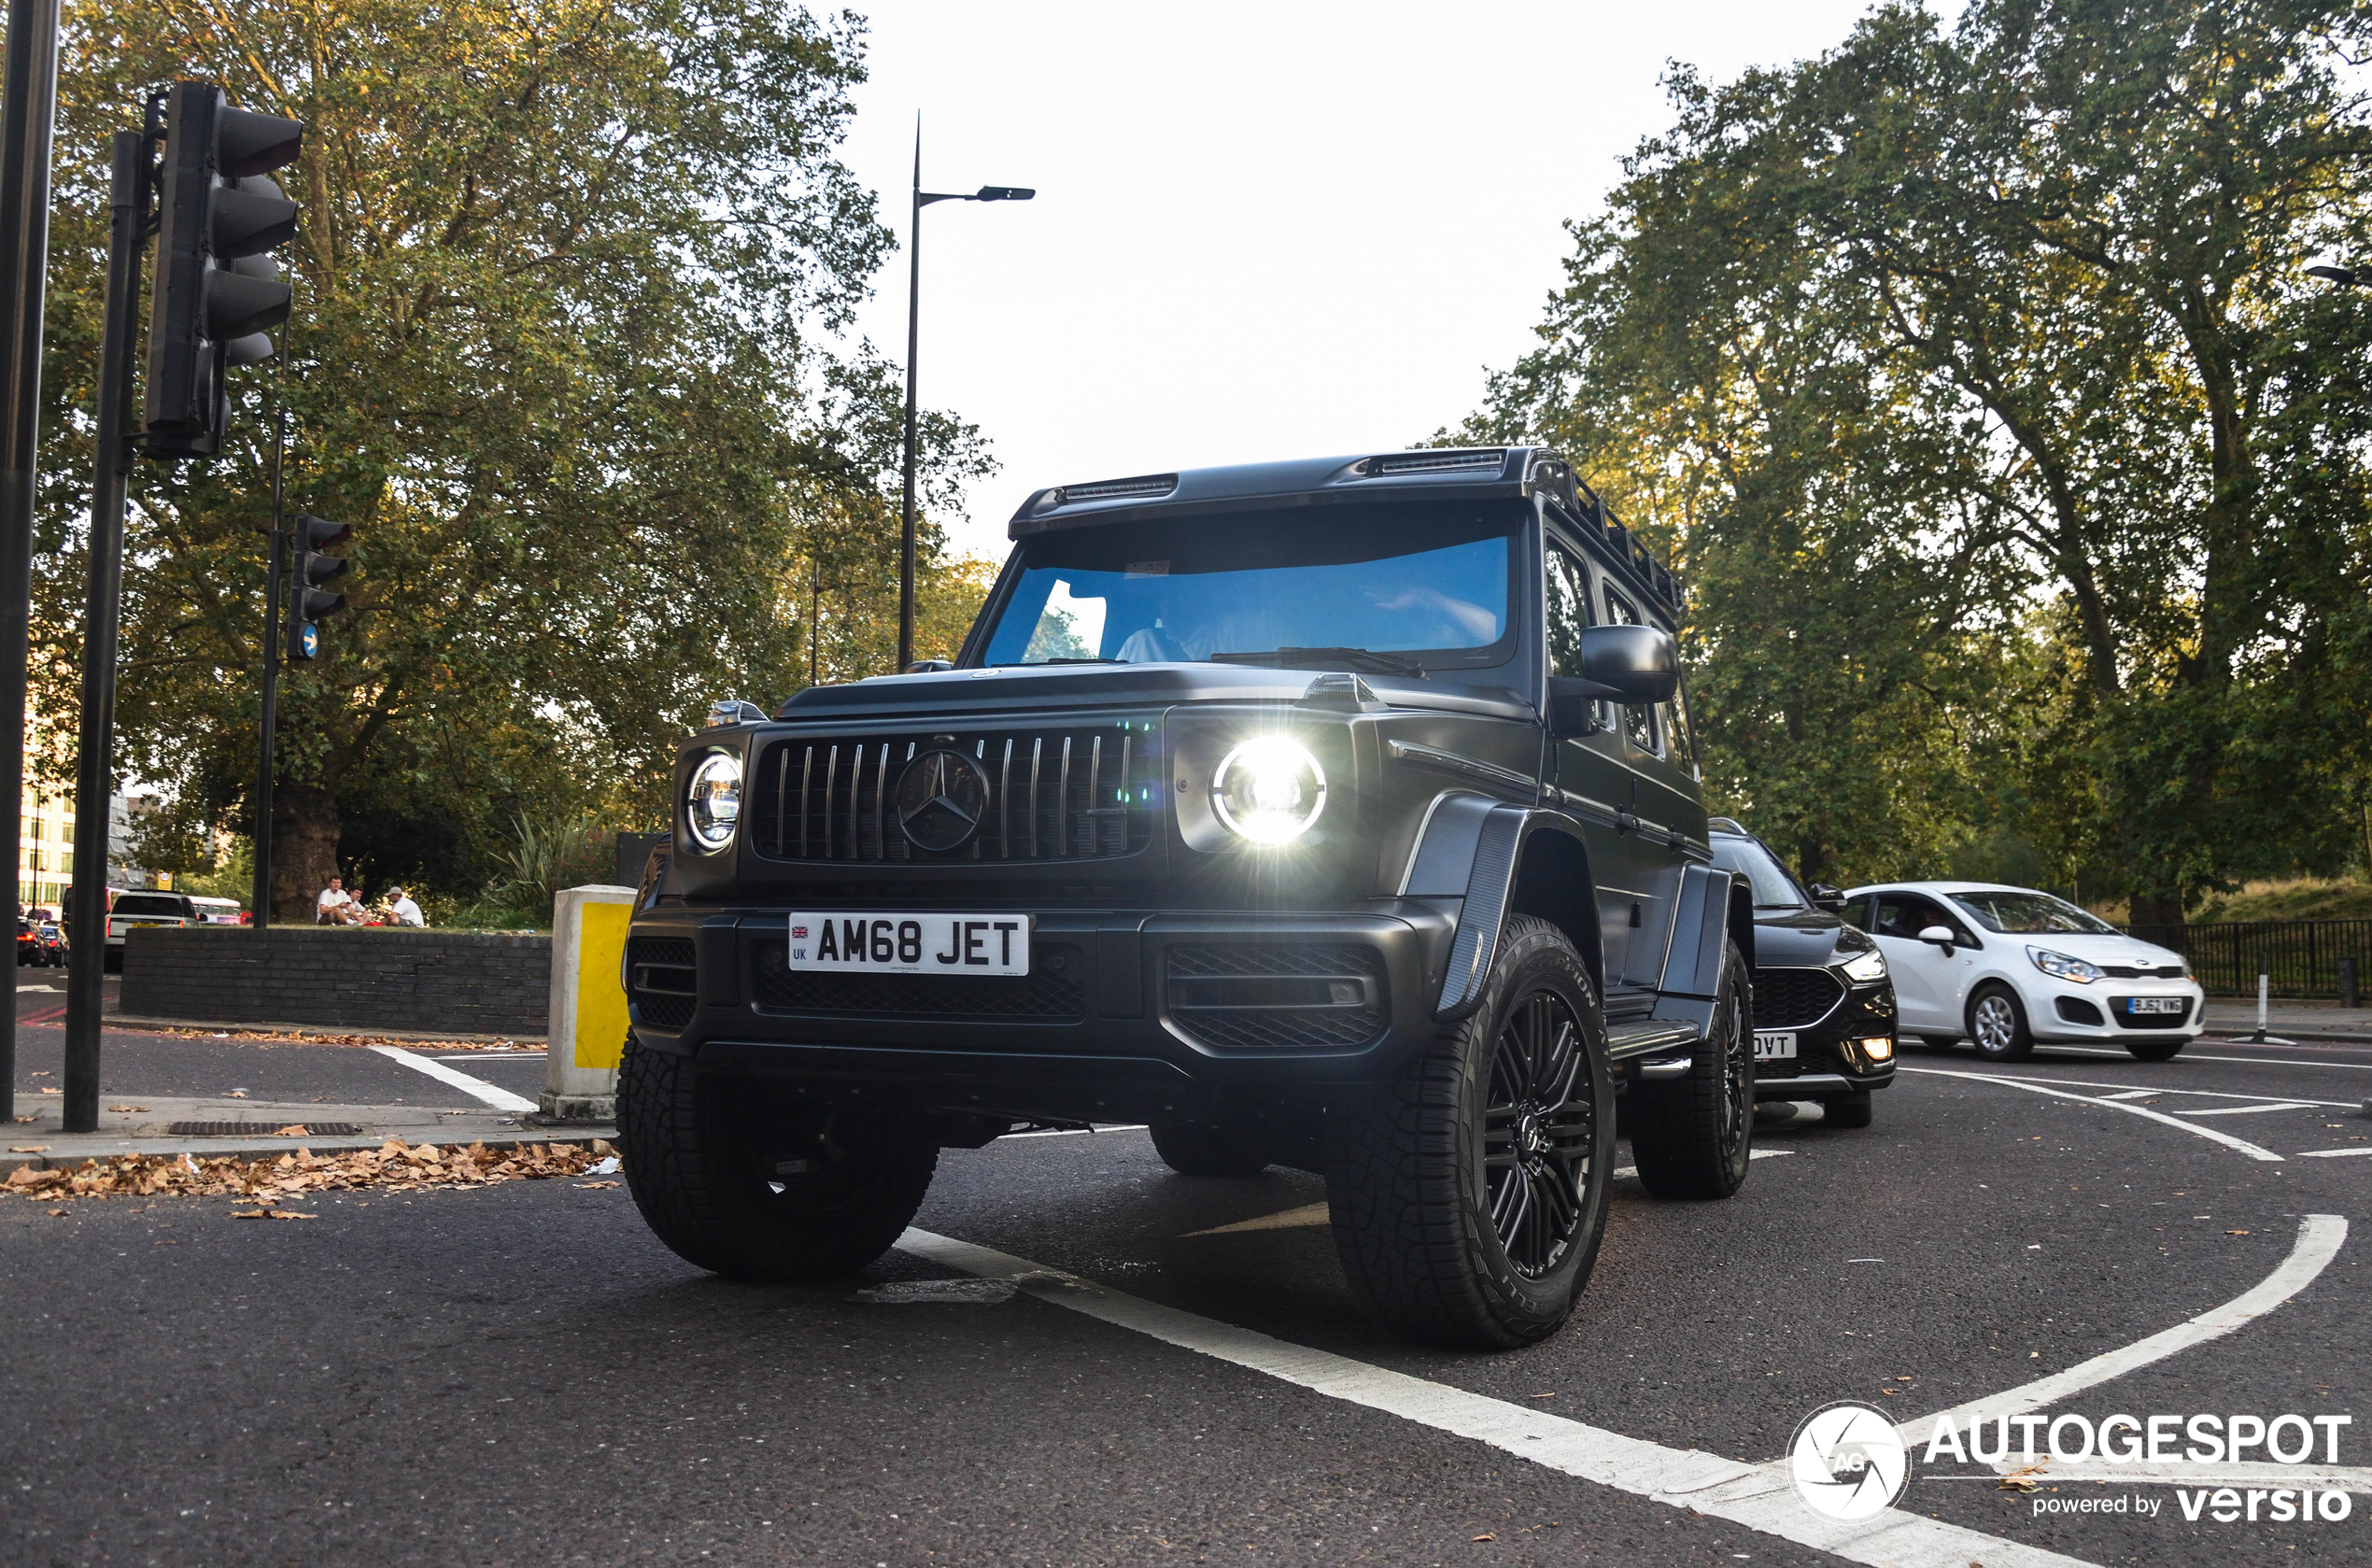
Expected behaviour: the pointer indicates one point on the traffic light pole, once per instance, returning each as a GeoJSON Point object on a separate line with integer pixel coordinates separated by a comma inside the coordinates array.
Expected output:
{"type": "Point", "coordinates": [271, 685]}
{"type": "Point", "coordinates": [28, 100]}
{"type": "Point", "coordinates": [94, 783]}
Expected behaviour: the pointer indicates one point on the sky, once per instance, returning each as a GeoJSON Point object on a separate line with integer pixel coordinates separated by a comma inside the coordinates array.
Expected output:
{"type": "Point", "coordinates": [1260, 231]}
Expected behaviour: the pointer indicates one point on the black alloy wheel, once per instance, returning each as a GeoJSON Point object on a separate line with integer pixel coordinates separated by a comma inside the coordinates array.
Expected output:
{"type": "Point", "coordinates": [1691, 1137]}
{"type": "Point", "coordinates": [1539, 1130]}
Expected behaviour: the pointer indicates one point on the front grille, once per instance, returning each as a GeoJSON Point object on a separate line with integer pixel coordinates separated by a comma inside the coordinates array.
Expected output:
{"type": "Point", "coordinates": [1278, 999]}
{"type": "Point", "coordinates": [1792, 999]}
{"type": "Point", "coordinates": [1083, 792]}
{"type": "Point", "coordinates": [2131, 972]}
{"type": "Point", "coordinates": [2120, 1009]}
{"type": "Point", "coordinates": [662, 980]}
{"type": "Point", "coordinates": [1055, 988]}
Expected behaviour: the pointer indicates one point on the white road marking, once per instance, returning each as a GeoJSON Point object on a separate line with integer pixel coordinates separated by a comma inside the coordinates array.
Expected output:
{"type": "Point", "coordinates": [2251, 1150]}
{"type": "Point", "coordinates": [1761, 1497]}
{"type": "Point", "coordinates": [1075, 1132]}
{"type": "Point", "coordinates": [500, 1098]}
{"type": "Point", "coordinates": [2253, 1109]}
{"type": "Point", "coordinates": [2248, 1473]}
{"type": "Point", "coordinates": [2196, 1093]}
{"type": "Point", "coordinates": [2329, 1154]}
{"type": "Point", "coordinates": [2281, 1061]}
{"type": "Point", "coordinates": [2317, 1243]}
{"type": "Point", "coordinates": [1307, 1214]}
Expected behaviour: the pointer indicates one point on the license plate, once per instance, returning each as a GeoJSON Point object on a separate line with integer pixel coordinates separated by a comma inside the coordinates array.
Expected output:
{"type": "Point", "coordinates": [2158, 1004]}
{"type": "Point", "coordinates": [1775, 1047]}
{"type": "Point", "coordinates": [911, 945]}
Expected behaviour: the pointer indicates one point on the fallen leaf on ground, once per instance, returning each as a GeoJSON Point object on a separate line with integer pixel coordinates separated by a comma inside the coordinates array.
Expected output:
{"type": "Point", "coordinates": [57, 1214]}
{"type": "Point", "coordinates": [394, 1166]}
{"type": "Point", "coordinates": [236, 1095]}
{"type": "Point", "coordinates": [1486, 1535]}
{"type": "Point", "coordinates": [22, 1119]}
{"type": "Point", "coordinates": [53, 1091]}
{"type": "Point", "coordinates": [127, 1108]}
{"type": "Point", "coordinates": [294, 1129]}
{"type": "Point", "coordinates": [2235, 1232]}
{"type": "Point", "coordinates": [270, 1214]}
{"type": "Point", "coordinates": [593, 1186]}
{"type": "Point", "coordinates": [28, 1149]}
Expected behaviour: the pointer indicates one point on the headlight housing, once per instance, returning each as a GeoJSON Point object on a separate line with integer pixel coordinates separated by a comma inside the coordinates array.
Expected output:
{"type": "Point", "coordinates": [712, 801]}
{"type": "Point", "coordinates": [1864, 967]}
{"type": "Point", "coordinates": [2059, 965]}
{"type": "Point", "coordinates": [1269, 791]}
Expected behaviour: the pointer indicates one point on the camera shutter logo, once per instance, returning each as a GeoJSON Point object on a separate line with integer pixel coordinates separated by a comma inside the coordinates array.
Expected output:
{"type": "Point", "coordinates": [1847, 1462]}
{"type": "Point", "coordinates": [942, 798]}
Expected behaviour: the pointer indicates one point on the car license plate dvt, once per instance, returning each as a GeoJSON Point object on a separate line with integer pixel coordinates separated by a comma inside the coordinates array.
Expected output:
{"type": "Point", "coordinates": [911, 945]}
{"type": "Point", "coordinates": [1775, 1047]}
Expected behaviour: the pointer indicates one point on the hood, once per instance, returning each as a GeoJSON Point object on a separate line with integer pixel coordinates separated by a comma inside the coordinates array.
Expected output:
{"type": "Point", "coordinates": [1121, 685]}
{"type": "Point", "coordinates": [1803, 939]}
{"type": "Point", "coordinates": [2095, 947]}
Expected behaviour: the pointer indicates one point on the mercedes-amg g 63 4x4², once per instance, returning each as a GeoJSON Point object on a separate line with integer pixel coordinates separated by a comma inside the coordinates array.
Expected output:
{"type": "Point", "coordinates": [1340, 813]}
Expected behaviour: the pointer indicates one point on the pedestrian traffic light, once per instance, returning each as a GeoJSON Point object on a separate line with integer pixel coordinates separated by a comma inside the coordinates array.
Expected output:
{"type": "Point", "coordinates": [308, 600]}
{"type": "Point", "coordinates": [217, 286]}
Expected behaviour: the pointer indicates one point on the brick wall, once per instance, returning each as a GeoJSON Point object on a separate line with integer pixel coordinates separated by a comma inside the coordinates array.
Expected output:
{"type": "Point", "coordinates": [358, 978]}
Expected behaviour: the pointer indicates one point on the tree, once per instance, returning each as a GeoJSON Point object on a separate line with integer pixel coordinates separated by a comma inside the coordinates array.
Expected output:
{"type": "Point", "coordinates": [2014, 319]}
{"type": "Point", "coordinates": [565, 285]}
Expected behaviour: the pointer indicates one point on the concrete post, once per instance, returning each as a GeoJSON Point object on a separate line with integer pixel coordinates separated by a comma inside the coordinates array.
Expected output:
{"type": "Point", "coordinates": [588, 1004]}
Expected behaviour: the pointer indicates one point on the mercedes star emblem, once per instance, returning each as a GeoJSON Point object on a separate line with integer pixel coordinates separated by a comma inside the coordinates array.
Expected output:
{"type": "Point", "coordinates": [942, 798]}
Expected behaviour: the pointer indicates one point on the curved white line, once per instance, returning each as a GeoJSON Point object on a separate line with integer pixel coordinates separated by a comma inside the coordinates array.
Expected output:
{"type": "Point", "coordinates": [2319, 1239]}
{"type": "Point", "coordinates": [2243, 1144]}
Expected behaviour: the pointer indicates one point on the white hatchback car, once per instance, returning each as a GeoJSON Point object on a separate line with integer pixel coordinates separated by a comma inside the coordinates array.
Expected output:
{"type": "Point", "coordinates": [2008, 967]}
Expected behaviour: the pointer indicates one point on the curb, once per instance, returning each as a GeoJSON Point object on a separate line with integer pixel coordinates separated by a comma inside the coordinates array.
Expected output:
{"type": "Point", "coordinates": [144, 1021]}
{"type": "Point", "coordinates": [56, 1159]}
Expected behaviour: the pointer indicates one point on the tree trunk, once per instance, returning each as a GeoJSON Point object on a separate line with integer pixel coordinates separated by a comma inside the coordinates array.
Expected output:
{"type": "Point", "coordinates": [2156, 908]}
{"type": "Point", "coordinates": [304, 851]}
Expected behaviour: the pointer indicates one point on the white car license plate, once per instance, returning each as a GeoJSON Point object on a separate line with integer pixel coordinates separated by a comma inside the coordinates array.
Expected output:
{"type": "Point", "coordinates": [912, 943]}
{"type": "Point", "coordinates": [1775, 1047]}
{"type": "Point", "coordinates": [2158, 1004]}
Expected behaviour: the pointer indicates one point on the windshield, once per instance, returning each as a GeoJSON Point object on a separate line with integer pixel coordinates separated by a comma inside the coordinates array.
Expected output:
{"type": "Point", "coordinates": [1429, 583]}
{"type": "Point", "coordinates": [2030, 913]}
{"type": "Point", "coordinates": [1774, 888]}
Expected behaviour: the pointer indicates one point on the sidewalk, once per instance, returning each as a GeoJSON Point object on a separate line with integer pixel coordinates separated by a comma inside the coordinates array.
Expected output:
{"type": "Point", "coordinates": [2292, 1020]}
{"type": "Point", "coordinates": [145, 1126]}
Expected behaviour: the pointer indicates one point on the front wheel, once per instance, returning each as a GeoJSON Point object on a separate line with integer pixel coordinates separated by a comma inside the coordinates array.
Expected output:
{"type": "Point", "coordinates": [2156, 1051]}
{"type": "Point", "coordinates": [747, 1180]}
{"type": "Point", "coordinates": [1998, 1024]}
{"type": "Point", "coordinates": [1469, 1196]}
{"type": "Point", "coordinates": [1692, 1136]}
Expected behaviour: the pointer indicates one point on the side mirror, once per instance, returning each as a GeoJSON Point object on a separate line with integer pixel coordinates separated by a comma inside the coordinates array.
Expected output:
{"type": "Point", "coordinates": [1940, 935]}
{"type": "Point", "coordinates": [1635, 664]}
{"type": "Point", "coordinates": [1827, 897]}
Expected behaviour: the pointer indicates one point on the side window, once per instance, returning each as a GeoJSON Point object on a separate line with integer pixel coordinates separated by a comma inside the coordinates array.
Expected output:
{"type": "Point", "coordinates": [1568, 588]}
{"type": "Point", "coordinates": [1638, 721]}
{"type": "Point", "coordinates": [1683, 733]}
{"type": "Point", "coordinates": [1905, 915]}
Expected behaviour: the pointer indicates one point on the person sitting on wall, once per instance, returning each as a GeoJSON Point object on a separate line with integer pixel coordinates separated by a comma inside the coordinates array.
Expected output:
{"type": "Point", "coordinates": [406, 911]}
{"type": "Point", "coordinates": [336, 905]}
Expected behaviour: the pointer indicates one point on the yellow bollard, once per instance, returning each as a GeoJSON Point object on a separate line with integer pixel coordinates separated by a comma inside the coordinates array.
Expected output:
{"type": "Point", "coordinates": [588, 1017]}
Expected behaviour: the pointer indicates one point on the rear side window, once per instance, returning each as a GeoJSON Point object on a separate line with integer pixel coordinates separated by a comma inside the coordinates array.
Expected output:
{"type": "Point", "coordinates": [1568, 610]}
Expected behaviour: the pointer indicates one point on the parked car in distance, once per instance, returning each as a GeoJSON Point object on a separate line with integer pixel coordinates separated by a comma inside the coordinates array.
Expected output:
{"type": "Point", "coordinates": [133, 910]}
{"type": "Point", "coordinates": [51, 940]}
{"type": "Point", "coordinates": [217, 911]}
{"type": "Point", "coordinates": [1823, 1007]}
{"type": "Point", "coordinates": [2009, 967]}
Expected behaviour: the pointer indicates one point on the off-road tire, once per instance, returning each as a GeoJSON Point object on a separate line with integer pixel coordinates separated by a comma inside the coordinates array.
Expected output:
{"type": "Point", "coordinates": [1846, 1111]}
{"type": "Point", "coordinates": [1201, 1151]}
{"type": "Point", "coordinates": [1417, 1210]}
{"type": "Point", "coordinates": [2156, 1051]}
{"type": "Point", "coordinates": [701, 1156]}
{"type": "Point", "coordinates": [1692, 1136]}
{"type": "Point", "coordinates": [1998, 1024]}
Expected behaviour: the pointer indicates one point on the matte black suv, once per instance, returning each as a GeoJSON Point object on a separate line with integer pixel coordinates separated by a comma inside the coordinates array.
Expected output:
{"type": "Point", "coordinates": [1823, 1003]}
{"type": "Point", "coordinates": [1340, 813]}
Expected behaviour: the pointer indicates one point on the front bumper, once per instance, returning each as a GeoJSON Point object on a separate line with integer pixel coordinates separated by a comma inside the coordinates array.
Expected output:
{"type": "Point", "coordinates": [1127, 1015]}
{"type": "Point", "coordinates": [1829, 1060]}
{"type": "Point", "coordinates": [2061, 1014]}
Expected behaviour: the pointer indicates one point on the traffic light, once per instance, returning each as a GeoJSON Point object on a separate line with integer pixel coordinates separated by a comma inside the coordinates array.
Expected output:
{"type": "Point", "coordinates": [217, 286]}
{"type": "Point", "coordinates": [308, 601]}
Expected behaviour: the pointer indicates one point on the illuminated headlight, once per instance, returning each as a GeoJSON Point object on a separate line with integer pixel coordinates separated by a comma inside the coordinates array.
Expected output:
{"type": "Point", "coordinates": [2059, 965]}
{"type": "Point", "coordinates": [1269, 790]}
{"type": "Point", "coordinates": [713, 805]}
{"type": "Point", "coordinates": [1863, 968]}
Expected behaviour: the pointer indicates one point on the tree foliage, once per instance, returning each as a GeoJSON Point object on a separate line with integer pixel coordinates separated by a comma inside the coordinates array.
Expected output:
{"type": "Point", "coordinates": [2021, 470]}
{"type": "Point", "coordinates": [567, 284]}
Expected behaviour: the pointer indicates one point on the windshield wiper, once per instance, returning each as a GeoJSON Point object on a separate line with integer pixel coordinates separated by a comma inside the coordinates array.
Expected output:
{"type": "Point", "coordinates": [1320, 659]}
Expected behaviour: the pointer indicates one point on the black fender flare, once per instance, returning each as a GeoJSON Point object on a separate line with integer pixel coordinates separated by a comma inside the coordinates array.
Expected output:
{"type": "Point", "coordinates": [1484, 845]}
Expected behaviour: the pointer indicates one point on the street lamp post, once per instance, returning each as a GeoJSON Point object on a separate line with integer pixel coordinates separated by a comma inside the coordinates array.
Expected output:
{"type": "Point", "coordinates": [913, 306]}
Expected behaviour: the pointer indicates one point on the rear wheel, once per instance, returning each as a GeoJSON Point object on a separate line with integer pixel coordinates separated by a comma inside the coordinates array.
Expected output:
{"type": "Point", "coordinates": [744, 1179]}
{"type": "Point", "coordinates": [1692, 1136]}
{"type": "Point", "coordinates": [1201, 1151]}
{"type": "Point", "coordinates": [2156, 1051]}
{"type": "Point", "coordinates": [1469, 1197]}
{"type": "Point", "coordinates": [1998, 1024]}
{"type": "Point", "coordinates": [1846, 1111]}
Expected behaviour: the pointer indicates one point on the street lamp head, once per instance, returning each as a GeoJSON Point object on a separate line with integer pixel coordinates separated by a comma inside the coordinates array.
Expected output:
{"type": "Point", "coordinates": [2345, 278]}
{"type": "Point", "coordinates": [1003, 193]}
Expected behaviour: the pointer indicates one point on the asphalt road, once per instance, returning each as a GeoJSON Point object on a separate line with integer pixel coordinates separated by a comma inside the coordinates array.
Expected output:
{"type": "Point", "coordinates": [521, 1375]}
